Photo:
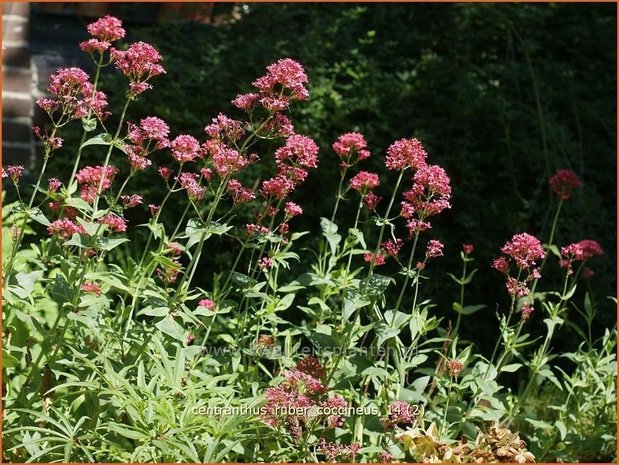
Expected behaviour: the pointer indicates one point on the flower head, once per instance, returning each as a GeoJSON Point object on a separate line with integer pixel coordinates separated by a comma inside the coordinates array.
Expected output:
{"type": "Point", "coordinates": [285, 79]}
{"type": "Point", "coordinates": [455, 367]}
{"type": "Point", "coordinates": [224, 128]}
{"type": "Point", "coordinates": [13, 171]}
{"type": "Point", "coordinates": [563, 182]}
{"type": "Point", "coordinates": [207, 303]}
{"type": "Point", "coordinates": [405, 153]}
{"type": "Point", "coordinates": [467, 249]}
{"type": "Point", "coordinates": [391, 247]}
{"type": "Point", "coordinates": [185, 148]}
{"type": "Point", "coordinates": [114, 222]}
{"type": "Point", "coordinates": [351, 147]}
{"type": "Point", "coordinates": [239, 193]}
{"type": "Point", "coordinates": [65, 228]}
{"type": "Point", "coordinates": [364, 181]}
{"type": "Point", "coordinates": [130, 201]}
{"type": "Point", "coordinates": [107, 28]}
{"type": "Point", "coordinates": [292, 209]}
{"type": "Point", "coordinates": [139, 63]}
{"type": "Point", "coordinates": [189, 182]}
{"type": "Point", "coordinates": [94, 180]}
{"type": "Point", "coordinates": [434, 249]}
{"type": "Point", "coordinates": [524, 249]}
{"type": "Point", "coordinates": [91, 287]}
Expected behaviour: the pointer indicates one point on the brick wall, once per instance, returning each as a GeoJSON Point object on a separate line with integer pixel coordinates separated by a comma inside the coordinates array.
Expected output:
{"type": "Point", "coordinates": [17, 85]}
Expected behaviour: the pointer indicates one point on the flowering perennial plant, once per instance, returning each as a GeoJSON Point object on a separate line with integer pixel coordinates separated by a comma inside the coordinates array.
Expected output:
{"type": "Point", "coordinates": [118, 336]}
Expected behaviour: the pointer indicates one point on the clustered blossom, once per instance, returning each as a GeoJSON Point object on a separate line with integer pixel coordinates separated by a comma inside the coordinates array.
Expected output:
{"type": "Point", "coordinates": [406, 153]}
{"type": "Point", "coordinates": [91, 178]}
{"type": "Point", "coordinates": [239, 193]}
{"type": "Point", "coordinates": [374, 259]}
{"type": "Point", "coordinates": [563, 182]}
{"type": "Point", "coordinates": [283, 82]}
{"type": "Point", "coordinates": [526, 312]}
{"type": "Point", "coordinates": [429, 196]}
{"type": "Point", "coordinates": [91, 287]}
{"type": "Point", "coordinates": [114, 222]}
{"type": "Point", "coordinates": [226, 160]}
{"type": "Point", "coordinates": [65, 228]}
{"type": "Point", "coordinates": [74, 96]}
{"type": "Point", "coordinates": [468, 249]}
{"type": "Point", "coordinates": [13, 171]}
{"type": "Point", "coordinates": [165, 173]}
{"type": "Point", "coordinates": [391, 247]}
{"type": "Point", "coordinates": [370, 200]}
{"type": "Point", "coordinates": [364, 181]}
{"type": "Point", "coordinates": [265, 263]}
{"type": "Point", "coordinates": [189, 182]}
{"type": "Point", "coordinates": [104, 31]}
{"type": "Point", "coordinates": [207, 303]}
{"type": "Point", "coordinates": [50, 142]}
{"type": "Point", "coordinates": [351, 148]}
{"type": "Point", "coordinates": [130, 201]}
{"type": "Point", "coordinates": [140, 62]}
{"type": "Point", "coordinates": [298, 154]}
{"type": "Point", "coordinates": [225, 129]}
{"type": "Point", "coordinates": [434, 249]}
{"type": "Point", "coordinates": [334, 451]}
{"type": "Point", "coordinates": [150, 129]}
{"type": "Point", "coordinates": [295, 403]}
{"type": "Point", "coordinates": [579, 251]}
{"type": "Point", "coordinates": [292, 209]}
{"type": "Point", "coordinates": [400, 414]}
{"type": "Point", "coordinates": [185, 148]}
{"type": "Point", "coordinates": [523, 250]}
{"type": "Point", "coordinates": [455, 367]}
{"type": "Point", "coordinates": [53, 185]}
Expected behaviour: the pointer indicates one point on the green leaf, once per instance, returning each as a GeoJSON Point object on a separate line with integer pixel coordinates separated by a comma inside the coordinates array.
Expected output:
{"type": "Point", "coordinates": [329, 230]}
{"type": "Point", "coordinates": [385, 332]}
{"type": "Point", "coordinates": [170, 327]}
{"type": "Point", "coordinates": [27, 280]}
{"type": "Point", "coordinates": [511, 367]}
{"type": "Point", "coordinates": [8, 360]}
{"type": "Point", "coordinates": [467, 309]}
{"type": "Point", "coordinates": [109, 244]}
{"type": "Point", "coordinates": [101, 139]}
{"type": "Point", "coordinates": [37, 215]}
{"type": "Point", "coordinates": [375, 285]}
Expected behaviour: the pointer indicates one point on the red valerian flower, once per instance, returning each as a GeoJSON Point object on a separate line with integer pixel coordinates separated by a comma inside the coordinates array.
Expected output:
{"type": "Point", "coordinates": [278, 187]}
{"type": "Point", "coordinates": [434, 249]}
{"type": "Point", "coordinates": [455, 367]}
{"type": "Point", "coordinates": [526, 312]}
{"type": "Point", "coordinates": [65, 228]}
{"type": "Point", "coordinates": [524, 249]}
{"type": "Point", "coordinates": [139, 63]}
{"type": "Point", "coordinates": [130, 201]}
{"type": "Point", "coordinates": [406, 153]}
{"type": "Point", "coordinates": [298, 150]}
{"type": "Point", "coordinates": [53, 185]}
{"type": "Point", "coordinates": [240, 194]}
{"type": "Point", "coordinates": [224, 128]}
{"type": "Point", "coordinates": [189, 182]}
{"type": "Point", "coordinates": [292, 209]}
{"type": "Point", "coordinates": [185, 148]}
{"type": "Point", "coordinates": [13, 171]}
{"type": "Point", "coordinates": [91, 177]}
{"type": "Point", "coordinates": [468, 249]}
{"type": "Point", "coordinates": [370, 200]}
{"type": "Point", "coordinates": [579, 251]}
{"type": "Point", "coordinates": [350, 144]}
{"type": "Point", "coordinates": [114, 222]}
{"type": "Point", "coordinates": [207, 303]}
{"type": "Point", "coordinates": [563, 182]}
{"type": "Point", "coordinates": [400, 414]}
{"type": "Point", "coordinates": [364, 181]}
{"type": "Point", "coordinates": [108, 28]}
{"type": "Point", "coordinates": [373, 259]}
{"type": "Point", "coordinates": [91, 287]}
{"type": "Point", "coordinates": [284, 75]}
{"type": "Point", "coordinates": [391, 247]}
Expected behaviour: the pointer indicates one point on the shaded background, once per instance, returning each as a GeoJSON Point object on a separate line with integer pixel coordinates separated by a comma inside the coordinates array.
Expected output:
{"type": "Point", "coordinates": [501, 95]}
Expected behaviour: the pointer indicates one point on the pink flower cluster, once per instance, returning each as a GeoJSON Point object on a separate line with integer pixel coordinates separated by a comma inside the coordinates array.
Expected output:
{"type": "Point", "coordinates": [114, 222]}
{"type": "Point", "coordinates": [563, 182]}
{"type": "Point", "coordinates": [91, 177]}
{"type": "Point", "coordinates": [333, 451]}
{"type": "Point", "coordinates": [289, 404]}
{"type": "Point", "coordinates": [523, 250]}
{"type": "Point", "coordinates": [400, 414]}
{"type": "Point", "coordinates": [65, 228]}
{"type": "Point", "coordinates": [150, 135]}
{"type": "Point", "coordinates": [50, 142]}
{"type": "Point", "coordinates": [579, 251]}
{"type": "Point", "coordinates": [91, 287]}
{"type": "Point", "coordinates": [189, 182]}
{"type": "Point", "coordinates": [283, 82]}
{"type": "Point", "coordinates": [239, 193]}
{"type": "Point", "coordinates": [298, 154]}
{"type": "Point", "coordinates": [364, 181]}
{"type": "Point", "coordinates": [224, 129]}
{"type": "Point", "coordinates": [74, 96]}
{"type": "Point", "coordinates": [104, 31]}
{"type": "Point", "coordinates": [351, 148]}
{"type": "Point", "coordinates": [405, 153]}
{"type": "Point", "coordinates": [140, 62]}
{"type": "Point", "coordinates": [13, 171]}
{"type": "Point", "coordinates": [185, 148]}
{"type": "Point", "coordinates": [429, 196]}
